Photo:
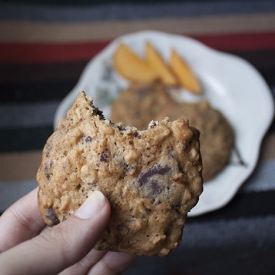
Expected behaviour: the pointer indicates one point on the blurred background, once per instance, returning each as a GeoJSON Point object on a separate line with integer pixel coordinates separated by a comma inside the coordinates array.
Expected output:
{"type": "Point", "coordinates": [44, 47]}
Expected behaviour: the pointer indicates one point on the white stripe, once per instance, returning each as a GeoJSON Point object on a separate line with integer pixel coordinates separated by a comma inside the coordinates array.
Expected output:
{"type": "Point", "coordinates": [11, 192]}
{"type": "Point", "coordinates": [27, 115]}
{"type": "Point", "coordinates": [128, 11]}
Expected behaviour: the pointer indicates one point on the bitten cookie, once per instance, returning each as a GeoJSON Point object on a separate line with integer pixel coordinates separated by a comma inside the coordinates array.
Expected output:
{"type": "Point", "coordinates": [152, 177]}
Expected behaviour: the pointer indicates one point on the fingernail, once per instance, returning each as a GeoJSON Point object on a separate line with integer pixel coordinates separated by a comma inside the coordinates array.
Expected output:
{"type": "Point", "coordinates": [91, 206]}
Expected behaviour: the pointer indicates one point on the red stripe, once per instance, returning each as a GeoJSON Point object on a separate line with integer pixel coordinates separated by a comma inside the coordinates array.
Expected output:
{"type": "Point", "coordinates": [239, 41]}
{"type": "Point", "coordinates": [65, 52]}
{"type": "Point", "coordinates": [49, 53]}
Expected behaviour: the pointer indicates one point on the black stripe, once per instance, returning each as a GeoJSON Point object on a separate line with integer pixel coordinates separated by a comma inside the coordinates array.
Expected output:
{"type": "Point", "coordinates": [24, 83]}
{"type": "Point", "coordinates": [92, 2]}
{"type": "Point", "coordinates": [36, 92]}
{"type": "Point", "coordinates": [262, 60]}
{"type": "Point", "coordinates": [19, 73]}
{"type": "Point", "coordinates": [57, 89]}
{"type": "Point", "coordinates": [248, 205]}
{"type": "Point", "coordinates": [24, 139]}
{"type": "Point", "coordinates": [268, 75]}
{"type": "Point", "coordinates": [272, 127]}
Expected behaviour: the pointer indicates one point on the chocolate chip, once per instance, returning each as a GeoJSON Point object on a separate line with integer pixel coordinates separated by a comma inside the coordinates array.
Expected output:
{"type": "Point", "coordinates": [47, 168]}
{"type": "Point", "coordinates": [181, 170]}
{"type": "Point", "coordinates": [157, 169]}
{"type": "Point", "coordinates": [104, 156]}
{"type": "Point", "coordinates": [48, 149]}
{"type": "Point", "coordinates": [108, 230]}
{"type": "Point", "coordinates": [121, 128]}
{"type": "Point", "coordinates": [88, 139]}
{"type": "Point", "coordinates": [50, 214]}
{"type": "Point", "coordinates": [97, 112]}
{"type": "Point", "coordinates": [142, 91]}
{"type": "Point", "coordinates": [94, 184]}
{"type": "Point", "coordinates": [118, 238]}
{"type": "Point", "coordinates": [184, 146]}
{"type": "Point", "coordinates": [125, 166]}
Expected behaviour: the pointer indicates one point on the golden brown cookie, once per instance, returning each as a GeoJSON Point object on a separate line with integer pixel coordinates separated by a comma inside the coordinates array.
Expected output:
{"type": "Point", "coordinates": [216, 137]}
{"type": "Point", "coordinates": [139, 104]}
{"type": "Point", "coordinates": [155, 103]}
{"type": "Point", "coordinates": [152, 177]}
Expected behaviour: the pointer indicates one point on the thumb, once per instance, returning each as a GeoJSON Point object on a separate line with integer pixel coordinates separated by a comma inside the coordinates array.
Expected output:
{"type": "Point", "coordinates": [63, 245]}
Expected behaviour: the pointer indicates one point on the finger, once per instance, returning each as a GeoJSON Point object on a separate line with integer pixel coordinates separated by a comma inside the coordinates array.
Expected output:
{"type": "Point", "coordinates": [112, 263]}
{"type": "Point", "coordinates": [63, 245]}
{"type": "Point", "coordinates": [101, 262]}
{"type": "Point", "coordinates": [20, 222]}
{"type": "Point", "coordinates": [84, 265]}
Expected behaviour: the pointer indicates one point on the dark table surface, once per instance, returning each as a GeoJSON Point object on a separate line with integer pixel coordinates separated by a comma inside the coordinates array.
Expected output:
{"type": "Point", "coordinates": [45, 45]}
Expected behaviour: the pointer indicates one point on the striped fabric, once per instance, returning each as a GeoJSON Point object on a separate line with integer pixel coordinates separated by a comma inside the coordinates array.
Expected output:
{"type": "Point", "coordinates": [45, 45]}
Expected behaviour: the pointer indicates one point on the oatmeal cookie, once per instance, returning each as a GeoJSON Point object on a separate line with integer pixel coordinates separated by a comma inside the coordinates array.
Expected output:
{"type": "Point", "coordinates": [216, 137]}
{"type": "Point", "coordinates": [139, 104]}
{"type": "Point", "coordinates": [152, 177]}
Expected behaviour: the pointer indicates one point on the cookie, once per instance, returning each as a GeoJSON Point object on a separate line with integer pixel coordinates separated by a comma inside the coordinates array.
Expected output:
{"type": "Point", "coordinates": [151, 177]}
{"type": "Point", "coordinates": [217, 135]}
{"type": "Point", "coordinates": [139, 104]}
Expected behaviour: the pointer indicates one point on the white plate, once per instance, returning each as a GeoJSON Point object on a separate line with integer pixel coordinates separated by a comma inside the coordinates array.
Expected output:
{"type": "Point", "coordinates": [230, 83]}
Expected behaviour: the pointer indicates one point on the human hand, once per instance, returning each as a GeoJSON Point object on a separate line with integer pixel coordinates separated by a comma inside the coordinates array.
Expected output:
{"type": "Point", "coordinates": [28, 246]}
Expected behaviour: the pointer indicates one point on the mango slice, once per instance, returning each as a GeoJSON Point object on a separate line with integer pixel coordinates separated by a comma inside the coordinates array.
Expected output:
{"type": "Point", "coordinates": [132, 67]}
{"type": "Point", "coordinates": [184, 74]}
{"type": "Point", "coordinates": [155, 60]}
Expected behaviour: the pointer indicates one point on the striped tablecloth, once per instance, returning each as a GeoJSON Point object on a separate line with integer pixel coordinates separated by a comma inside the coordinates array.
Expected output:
{"type": "Point", "coordinates": [44, 46]}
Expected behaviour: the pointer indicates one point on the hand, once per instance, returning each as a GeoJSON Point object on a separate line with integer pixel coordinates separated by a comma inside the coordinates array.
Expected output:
{"type": "Point", "coordinates": [28, 246]}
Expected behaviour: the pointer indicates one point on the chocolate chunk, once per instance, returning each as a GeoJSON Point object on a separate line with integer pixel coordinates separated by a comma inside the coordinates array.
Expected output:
{"type": "Point", "coordinates": [137, 135]}
{"type": "Point", "coordinates": [156, 188]}
{"type": "Point", "coordinates": [157, 169]}
{"type": "Point", "coordinates": [50, 214]}
{"type": "Point", "coordinates": [88, 139]}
